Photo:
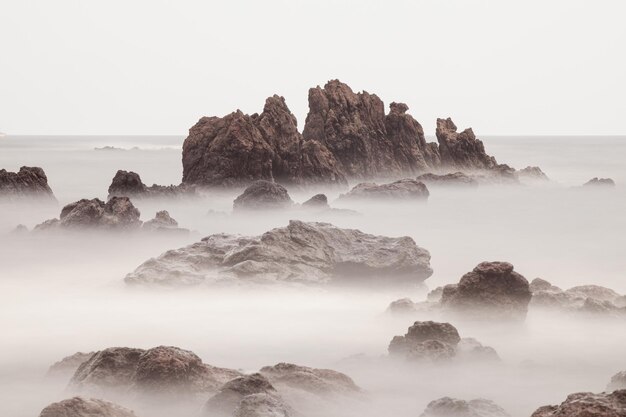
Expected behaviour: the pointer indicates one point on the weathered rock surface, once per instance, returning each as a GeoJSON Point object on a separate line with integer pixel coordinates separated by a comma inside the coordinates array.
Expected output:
{"type": "Point", "coordinates": [618, 381]}
{"type": "Point", "coordinates": [433, 341]}
{"type": "Point", "coordinates": [311, 253]}
{"type": "Point", "coordinates": [312, 380]}
{"type": "Point", "coordinates": [82, 407]}
{"type": "Point", "coordinates": [586, 404]}
{"type": "Point", "coordinates": [452, 407]}
{"type": "Point", "coordinates": [27, 182]}
{"type": "Point", "coordinates": [491, 290]}
{"type": "Point", "coordinates": [158, 371]}
{"type": "Point", "coordinates": [532, 174]}
{"type": "Point", "coordinates": [263, 405]}
{"type": "Point", "coordinates": [263, 195]}
{"type": "Point", "coordinates": [230, 395]}
{"type": "Point", "coordinates": [117, 213]}
{"type": "Point", "coordinates": [405, 189]}
{"type": "Point", "coordinates": [238, 149]}
{"type": "Point", "coordinates": [462, 150]}
{"type": "Point", "coordinates": [453, 179]}
{"type": "Point", "coordinates": [317, 201]}
{"type": "Point", "coordinates": [129, 184]}
{"type": "Point", "coordinates": [589, 299]}
{"type": "Point", "coordinates": [67, 366]}
{"type": "Point", "coordinates": [599, 182]}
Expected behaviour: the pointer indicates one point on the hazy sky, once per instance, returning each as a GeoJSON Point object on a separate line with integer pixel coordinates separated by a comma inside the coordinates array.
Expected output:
{"type": "Point", "coordinates": [156, 66]}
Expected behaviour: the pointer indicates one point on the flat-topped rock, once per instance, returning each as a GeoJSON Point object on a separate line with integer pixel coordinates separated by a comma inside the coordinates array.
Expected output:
{"type": "Point", "coordinates": [452, 407]}
{"type": "Point", "coordinates": [307, 253]}
{"type": "Point", "coordinates": [84, 407]}
{"type": "Point", "coordinates": [29, 182]}
{"type": "Point", "coordinates": [405, 189]}
{"type": "Point", "coordinates": [586, 404]}
{"type": "Point", "coordinates": [453, 179]}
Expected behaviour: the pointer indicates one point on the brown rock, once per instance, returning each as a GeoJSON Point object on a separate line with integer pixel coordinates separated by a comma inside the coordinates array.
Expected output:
{"type": "Point", "coordinates": [462, 150]}
{"type": "Point", "coordinates": [452, 407]}
{"type": "Point", "coordinates": [454, 179]}
{"type": "Point", "coordinates": [317, 201]}
{"type": "Point", "coordinates": [129, 184]}
{"type": "Point", "coordinates": [586, 404]}
{"type": "Point", "coordinates": [230, 395]}
{"type": "Point", "coordinates": [82, 407]}
{"type": "Point", "coordinates": [406, 189]}
{"type": "Point", "coordinates": [263, 195]}
{"type": "Point", "coordinates": [67, 366]}
{"type": "Point", "coordinates": [312, 380]}
{"type": "Point", "coordinates": [263, 405]}
{"type": "Point", "coordinates": [27, 182]}
{"type": "Point", "coordinates": [117, 213]}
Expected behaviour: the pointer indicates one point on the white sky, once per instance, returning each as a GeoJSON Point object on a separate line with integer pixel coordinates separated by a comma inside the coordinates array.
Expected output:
{"type": "Point", "coordinates": [156, 66]}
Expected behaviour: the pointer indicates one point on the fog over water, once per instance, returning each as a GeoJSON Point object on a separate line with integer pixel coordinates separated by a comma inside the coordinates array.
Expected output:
{"type": "Point", "coordinates": [63, 293]}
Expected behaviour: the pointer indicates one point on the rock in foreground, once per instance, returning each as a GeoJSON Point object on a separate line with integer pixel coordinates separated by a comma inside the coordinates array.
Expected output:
{"type": "Point", "coordinates": [263, 195]}
{"type": "Point", "coordinates": [82, 407]}
{"type": "Point", "coordinates": [309, 253]}
{"type": "Point", "coordinates": [452, 407]}
{"type": "Point", "coordinates": [586, 404]}
{"type": "Point", "coordinates": [406, 189]}
{"type": "Point", "coordinates": [27, 182]}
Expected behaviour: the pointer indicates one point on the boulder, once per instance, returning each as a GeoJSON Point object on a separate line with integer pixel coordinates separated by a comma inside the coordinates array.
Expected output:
{"type": "Point", "coordinates": [317, 201]}
{"type": "Point", "coordinates": [618, 381]}
{"type": "Point", "coordinates": [596, 292]}
{"type": "Point", "coordinates": [587, 299]}
{"type": "Point", "coordinates": [230, 395]}
{"type": "Point", "coordinates": [586, 404]}
{"type": "Point", "coordinates": [452, 407]}
{"type": "Point", "coordinates": [406, 189]}
{"type": "Point", "coordinates": [162, 370]}
{"type": "Point", "coordinates": [312, 380]}
{"type": "Point", "coordinates": [263, 405]}
{"type": "Point", "coordinates": [310, 253]}
{"type": "Point", "coordinates": [539, 284]}
{"type": "Point", "coordinates": [118, 213]}
{"type": "Point", "coordinates": [238, 149]}
{"type": "Point", "coordinates": [67, 366]}
{"type": "Point", "coordinates": [453, 179]}
{"type": "Point", "coordinates": [83, 407]}
{"type": "Point", "coordinates": [491, 290]}
{"type": "Point", "coordinates": [263, 195]}
{"type": "Point", "coordinates": [163, 222]}
{"type": "Point", "coordinates": [27, 182]}
{"type": "Point", "coordinates": [129, 184]}
{"type": "Point", "coordinates": [599, 182]}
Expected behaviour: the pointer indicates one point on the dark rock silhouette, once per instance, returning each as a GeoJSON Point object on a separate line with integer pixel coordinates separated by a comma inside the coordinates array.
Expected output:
{"type": "Point", "coordinates": [586, 404]}
{"type": "Point", "coordinates": [491, 290]}
{"type": "Point", "coordinates": [83, 407]}
{"type": "Point", "coordinates": [27, 182]}
{"type": "Point", "coordinates": [129, 184]}
{"type": "Point", "coordinates": [462, 150]}
{"type": "Point", "coordinates": [263, 195]}
{"type": "Point", "coordinates": [452, 407]}
{"type": "Point", "coordinates": [599, 182]}
{"type": "Point", "coordinates": [117, 213]}
{"type": "Point", "coordinates": [238, 148]}
{"type": "Point", "coordinates": [317, 201]}
{"type": "Point", "coordinates": [406, 189]}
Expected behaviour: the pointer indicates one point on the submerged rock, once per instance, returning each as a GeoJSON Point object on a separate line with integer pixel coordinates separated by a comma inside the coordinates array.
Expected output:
{"type": "Point", "coordinates": [162, 370]}
{"type": "Point", "coordinates": [163, 222]}
{"type": "Point", "coordinates": [129, 184]}
{"type": "Point", "coordinates": [532, 173]}
{"type": "Point", "coordinates": [406, 189]}
{"type": "Point", "coordinates": [263, 405]}
{"type": "Point", "coordinates": [586, 404]}
{"type": "Point", "coordinates": [599, 182]}
{"type": "Point", "coordinates": [310, 253]}
{"type": "Point", "coordinates": [587, 299]}
{"type": "Point", "coordinates": [238, 149]}
{"type": "Point", "coordinates": [618, 381]}
{"type": "Point", "coordinates": [67, 366]}
{"type": "Point", "coordinates": [452, 407]}
{"type": "Point", "coordinates": [455, 179]}
{"type": "Point", "coordinates": [230, 395]}
{"type": "Point", "coordinates": [82, 407]}
{"type": "Point", "coordinates": [491, 290]}
{"type": "Point", "coordinates": [27, 182]}
{"type": "Point", "coordinates": [312, 380]}
{"type": "Point", "coordinates": [117, 213]}
{"type": "Point", "coordinates": [263, 195]}
{"type": "Point", "coordinates": [317, 201]}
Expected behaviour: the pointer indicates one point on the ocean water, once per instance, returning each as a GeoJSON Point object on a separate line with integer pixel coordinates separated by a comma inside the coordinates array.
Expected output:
{"type": "Point", "coordinates": [64, 293]}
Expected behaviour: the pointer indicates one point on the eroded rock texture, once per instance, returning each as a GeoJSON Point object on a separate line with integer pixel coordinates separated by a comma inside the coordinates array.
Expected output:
{"type": "Point", "coordinates": [263, 405]}
{"type": "Point", "coordinates": [312, 380]}
{"type": "Point", "coordinates": [406, 189]}
{"type": "Point", "coordinates": [27, 182]}
{"type": "Point", "coordinates": [83, 407]}
{"type": "Point", "coordinates": [586, 299]}
{"type": "Point", "coordinates": [117, 213]}
{"type": "Point", "coordinates": [452, 407]}
{"type": "Point", "coordinates": [454, 179]}
{"type": "Point", "coordinates": [491, 291]}
{"type": "Point", "coordinates": [311, 253]}
{"type": "Point", "coordinates": [230, 395]}
{"type": "Point", "coordinates": [586, 404]}
{"type": "Point", "coordinates": [239, 148]}
{"type": "Point", "coordinates": [162, 222]}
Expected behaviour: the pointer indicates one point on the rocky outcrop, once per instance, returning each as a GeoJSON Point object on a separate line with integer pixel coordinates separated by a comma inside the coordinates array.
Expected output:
{"type": "Point", "coordinates": [27, 182]}
{"type": "Point", "coordinates": [586, 299]}
{"type": "Point", "coordinates": [230, 395]}
{"type": "Point", "coordinates": [491, 290]}
{"type": "Point", "coordinates": [618, 381]}
{"type": "Point", "coordinates": [308, 253]}
{"type": "Point", "coordinates": [263, 405]}
{"type": "Point", "coordinates": [462, 150]}
{"type": "Point", "coordinates": [586, 404]}
{"type": "Point", "coordinates": [453, 179]}
{"type": "Point", "coordinates": [532, 174]}
{"type": "Point", "coordinates": [263, 195]}
{"type": "Point", "coordinates": [599, 182]}
{"type": "Point", "coordinates": [312, 380]}
{"type": "Point", "coordinates": [433, 341]}
{"type": "Point", "coordinates": [117, 213]}
{"type": "Point", "coordinates": [162, 370]}
{"type": "Point", "coordinates": [83, 407]}
{"type": "Point", "coordinates": [317, 201]}
{"type": "Point", "coordinates": [238, 149]}
{"type": "Point", "coordinates": [406, 189]}
{"type": "Point", "coordinates": [452, 407]}
{"type": "Point", "coordinates": [129, 184]}
{"type": "Point", "coordinates": [67, 366]}
{"type": "Point", "coordinates": [163, 222]}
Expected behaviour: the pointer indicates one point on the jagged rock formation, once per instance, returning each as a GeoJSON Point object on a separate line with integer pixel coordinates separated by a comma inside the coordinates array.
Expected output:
{"type": "Point", "coordinates": [317, 201]}
{"type": "Point", "coordinates": [263, 195]}
{"type": "Point", "coordinates": [462, 150]}
{"type": "Point", "coordinates": [406, 189]}
{"type": "Point", "coordinates": [452, 407]}
{"type": "Point", "coordinates": [82, 407]}
{"type": "Point", "coordinates": [491, 290]}
{"type": "Point", "coordinates": [117, 213]}
{"type": "Point", "coordinates": [590, 299]}
{"type": "Point", "coordinates": [68, 365]}
{"type": "Point", "coordinates": [532, 173]}
{"type": "Point", "coordinates": [312, 380]}
{"type": "Point", "coordinates": [162, 370]}
{"type": "Point", "coordinates": [230, 395]}
{"type": "Point", "coordinates": [239, 148]}
{"type": "Point", "coordinates": [27, 182]}
{"type": "Point", "coordinates": [129, 184]}
{"type": "Point", "coordinates": [429, 340]}
{"type": "Point", "coordinates": [599, 182]}
{"type": "Point", "coordinates": [309, 253]}
{"type": "Point", "coordinates": [586, 404]}
{"type": "Point", "coordinates": [163, 222]}
{"type": "Point", "coordinates": [455, 179]}
{"type": "Point", "coordinates": [618, 381]}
